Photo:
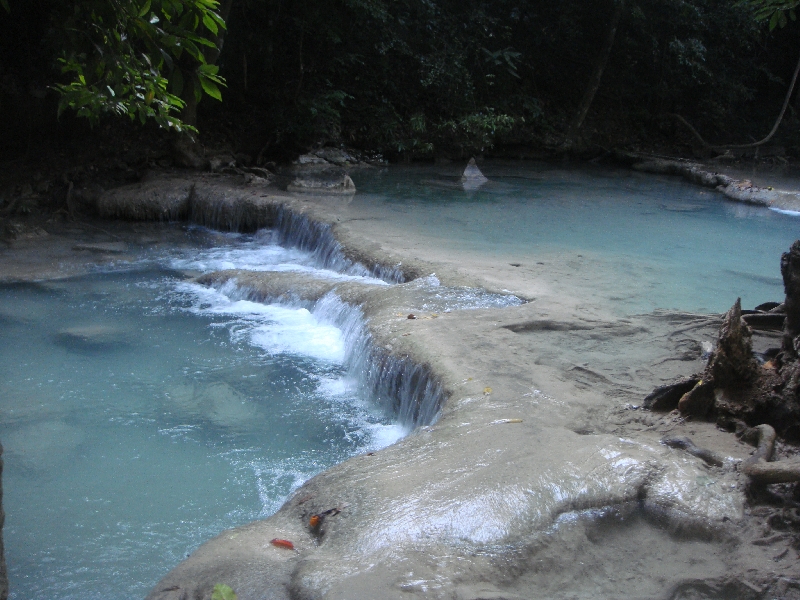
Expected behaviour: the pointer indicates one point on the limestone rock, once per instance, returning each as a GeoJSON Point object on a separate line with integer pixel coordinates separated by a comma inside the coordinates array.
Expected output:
{"type": "Point", "coordinates": [323, 182]}
{"type": "Point", "coordinates": [158, 199]}
{"type": "Point", "coordinates": [336, 156]}
{"type": "Point", "coordinates": [472, 178]}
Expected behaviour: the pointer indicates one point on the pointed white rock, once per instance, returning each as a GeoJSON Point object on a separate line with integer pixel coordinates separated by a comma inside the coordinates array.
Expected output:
{"type": "Point", "coordinates": [472, 178]}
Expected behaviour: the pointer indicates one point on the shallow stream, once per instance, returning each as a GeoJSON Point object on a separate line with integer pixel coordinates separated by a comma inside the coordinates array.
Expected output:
{"type": "Point", "coordinates": [141, 414]}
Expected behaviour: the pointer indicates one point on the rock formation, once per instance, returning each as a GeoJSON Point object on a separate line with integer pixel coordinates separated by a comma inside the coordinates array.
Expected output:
{"type": "Point", "coordinates": [472, 178]}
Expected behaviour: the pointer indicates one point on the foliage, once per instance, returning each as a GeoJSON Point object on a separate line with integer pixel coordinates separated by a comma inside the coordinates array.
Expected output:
{"type": "Point", "coordinates": [406, 78]}
{"type": "Point", "coordinates": [133, 57]}
{"type": "Point", "coordinates": [774, 11]}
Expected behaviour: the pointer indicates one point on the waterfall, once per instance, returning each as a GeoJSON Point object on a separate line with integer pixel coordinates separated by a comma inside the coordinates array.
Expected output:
{"type": "Point", "coordinates": [298, 231]}
{"type": "Point", "coordinates": [406, 390]}
{"type": "Point", "coordinates": [294, 230]}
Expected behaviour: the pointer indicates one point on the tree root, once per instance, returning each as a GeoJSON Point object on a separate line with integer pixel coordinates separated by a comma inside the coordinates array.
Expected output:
{"type": "Point", "coordinates": [704, 454]}
{"type": "Point", "coordinates": [783, 471]}
{"type": "Point", "coordinates": [766, 445]}
{"type": "Point", "coordinates": [761, 471]}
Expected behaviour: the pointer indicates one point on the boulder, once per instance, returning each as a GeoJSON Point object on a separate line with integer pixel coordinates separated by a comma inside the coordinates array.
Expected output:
{"type": "Point", "coordinates": [323, 182]}
{"type": "Point", "coordinates": [336, 156]}
{"type": "Point", "coordinates": [472, 178]}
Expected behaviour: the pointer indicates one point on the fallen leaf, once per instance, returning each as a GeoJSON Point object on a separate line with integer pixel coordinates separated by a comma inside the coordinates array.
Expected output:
{"type": "Point", "coordinates": [501, 421]}
{"type": "Point", "coordinates": [487, 391]}
{"type": "Point", "coordinates": [279, 543]}
{"type": "Point", "coordinates": [223, 592]}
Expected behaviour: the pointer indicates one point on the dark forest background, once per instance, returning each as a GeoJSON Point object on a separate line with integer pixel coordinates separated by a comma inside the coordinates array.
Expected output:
{"type": "Point", "coordinates": [423, 79]}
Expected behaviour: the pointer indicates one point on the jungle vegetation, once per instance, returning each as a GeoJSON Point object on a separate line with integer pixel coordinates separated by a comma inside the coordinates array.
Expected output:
{"type": "Point", "coordinates": [410, 79]}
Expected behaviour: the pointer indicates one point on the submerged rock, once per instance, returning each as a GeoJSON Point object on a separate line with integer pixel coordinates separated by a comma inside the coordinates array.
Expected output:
{"type": "Point", "coordinates": [103, 247]}
{"type": "Point", "coordinates": [327, 182]}
{"type": "Point", "coordinates": [89, 337]}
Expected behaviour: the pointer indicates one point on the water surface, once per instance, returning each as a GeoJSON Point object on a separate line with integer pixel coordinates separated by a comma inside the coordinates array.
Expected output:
{"type": "Point", "coordinates": [656, 242]}
{"type": "Point", "coordinates": [142, 415]}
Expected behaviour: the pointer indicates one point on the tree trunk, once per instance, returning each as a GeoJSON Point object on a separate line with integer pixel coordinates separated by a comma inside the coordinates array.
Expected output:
{"type": "Point", "coordinates": [597, 75]}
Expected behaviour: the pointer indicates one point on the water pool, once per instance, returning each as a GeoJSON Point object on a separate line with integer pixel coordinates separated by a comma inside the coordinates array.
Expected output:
{"type": "Point", "coordinates": [142, 414]}
{"type": "Point", "coordinates": [646, 242]}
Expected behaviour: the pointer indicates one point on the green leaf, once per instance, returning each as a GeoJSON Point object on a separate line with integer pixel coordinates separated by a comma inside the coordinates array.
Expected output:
{"type": "Point", "coordinates": [208, 69]}
{"type": "Point", "coordinates": [4, 4]}
{"type": "Point", "coordinates": [210, 88]}
{"type": "Point", "coordinates": [773, 22]}
{"type": "Point", "coordinates": [209, 22]}
{"type": "Point", "coordinates": [223, 592]}
{"type": "Point", "coordinates": [144, 10]}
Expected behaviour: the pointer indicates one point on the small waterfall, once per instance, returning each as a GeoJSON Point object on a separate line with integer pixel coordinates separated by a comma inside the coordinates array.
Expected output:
{"type": "Point", "coordinates": [298, 231]}
{"type": "Point", "coordinates": [403, 388]}
{"type": "Point", "coordinates": [294, 230]}
{"type": "Point", "coordinates": [225, 212]}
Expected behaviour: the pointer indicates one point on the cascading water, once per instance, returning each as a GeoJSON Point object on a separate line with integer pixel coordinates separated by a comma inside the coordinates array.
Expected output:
{"type": "Point", "coordinates": [144, 413]}
{"type": "Point", "coordinates": [298, 231]}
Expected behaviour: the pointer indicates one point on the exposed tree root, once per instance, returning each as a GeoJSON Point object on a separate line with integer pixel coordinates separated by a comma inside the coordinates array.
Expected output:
{"type": "Point", "coordinates": [704, 454]}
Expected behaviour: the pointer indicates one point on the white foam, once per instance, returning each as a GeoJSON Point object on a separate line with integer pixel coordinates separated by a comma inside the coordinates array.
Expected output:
{"type": "Point", "coordinates": [258, 253]}
{"type": "Point", "coordinates": [274, 328]}
{"type": "Point", "coordinates": [298, 332]}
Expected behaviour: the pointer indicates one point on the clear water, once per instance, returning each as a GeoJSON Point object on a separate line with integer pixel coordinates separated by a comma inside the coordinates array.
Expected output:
{"type": "Point", "coordinates": [657, 241]}
{"type": "Point", "coordinates": [141, 415]}
{"type": "Point", "coordinates": [183, 411]}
